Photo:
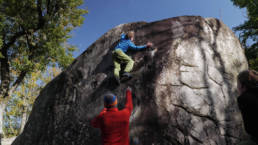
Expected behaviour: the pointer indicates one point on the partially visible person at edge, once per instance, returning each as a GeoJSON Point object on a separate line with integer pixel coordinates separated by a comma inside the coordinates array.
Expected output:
{"type": "Point", "coordinates": [114, 123]}
{"type": "Point", "coordinates": [248, 104]}
{"type": "Point", "coordinates": [119, 54]}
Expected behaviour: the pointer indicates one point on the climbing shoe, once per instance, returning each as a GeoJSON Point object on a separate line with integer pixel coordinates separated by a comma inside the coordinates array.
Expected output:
{"type": "Point", "coordinates": [126, 76]}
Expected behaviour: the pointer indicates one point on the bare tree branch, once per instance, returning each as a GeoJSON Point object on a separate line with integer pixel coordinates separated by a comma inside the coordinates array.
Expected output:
{"type": "Point", "coordinates": [18, 80]}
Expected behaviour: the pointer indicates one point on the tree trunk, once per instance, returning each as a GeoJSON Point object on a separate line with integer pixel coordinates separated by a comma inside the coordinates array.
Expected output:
{"type": "Point", "coordinates": [23, 120]}
{"type": "Point", "coordinates": [2, 108]}
{"type": "Point", "coordinates": [5, 74]}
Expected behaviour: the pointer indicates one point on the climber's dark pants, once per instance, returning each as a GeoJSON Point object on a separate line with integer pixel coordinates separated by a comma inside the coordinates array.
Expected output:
{"type": "Point", "coordinates": [120, 57]}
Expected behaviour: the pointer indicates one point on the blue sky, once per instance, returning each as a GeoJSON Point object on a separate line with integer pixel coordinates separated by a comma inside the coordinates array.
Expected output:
{"type": "Point", "coordinates": [105, 14]}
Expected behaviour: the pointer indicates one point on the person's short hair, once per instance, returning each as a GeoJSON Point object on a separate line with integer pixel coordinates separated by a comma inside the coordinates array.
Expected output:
{"type": "Point", "coordinates": [130, 34]}
{"type": "Point", "coordinates": [248, 79]}
{"type": "Point", "coordinates": [110, 100]}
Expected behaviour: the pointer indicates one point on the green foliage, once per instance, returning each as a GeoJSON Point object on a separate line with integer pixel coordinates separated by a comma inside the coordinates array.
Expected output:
{"type": "Point", "coordinates": [22, 100]}
{"type": "Point", "coordinates": [254, 63]}
{"type": "Point", "coordinates": [33, 36]}
{"type": "Point", "coordinates": [249, 30]}
{"type": "Point", "coordinates": [34, 33]}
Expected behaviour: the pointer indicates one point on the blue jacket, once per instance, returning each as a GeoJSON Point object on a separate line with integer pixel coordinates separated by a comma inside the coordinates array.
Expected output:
{"type": "Point", "coordinates": [125, 44]}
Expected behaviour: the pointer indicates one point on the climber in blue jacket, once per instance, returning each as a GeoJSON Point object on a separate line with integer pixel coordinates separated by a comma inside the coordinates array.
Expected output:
{"type": "Point", "coordinates": [119, 54]}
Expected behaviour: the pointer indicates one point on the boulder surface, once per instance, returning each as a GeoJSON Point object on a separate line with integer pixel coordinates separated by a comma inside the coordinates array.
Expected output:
{"type": "Point", "coordinates": [184, 90]}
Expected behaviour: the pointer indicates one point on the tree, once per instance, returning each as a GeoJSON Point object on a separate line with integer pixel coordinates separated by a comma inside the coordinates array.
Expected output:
{"type": "Point", "coordinates": [249, 30]}
{"type": "Point", "coordinates": [20, 105]}
{"type": "Point", "coordinates": [32, 36]}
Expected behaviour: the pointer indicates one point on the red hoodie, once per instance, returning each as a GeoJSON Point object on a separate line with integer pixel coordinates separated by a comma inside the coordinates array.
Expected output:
{"type": "Point", "coordinates": [114, 123]}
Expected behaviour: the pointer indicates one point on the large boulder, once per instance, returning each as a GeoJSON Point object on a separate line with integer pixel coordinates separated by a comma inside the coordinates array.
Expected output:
{"type": "Point", "coordinates": [184, 91]}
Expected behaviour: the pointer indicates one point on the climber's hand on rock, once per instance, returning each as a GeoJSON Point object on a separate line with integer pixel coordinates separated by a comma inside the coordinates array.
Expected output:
{"type": "Point", "coordinates": [149, 44]}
